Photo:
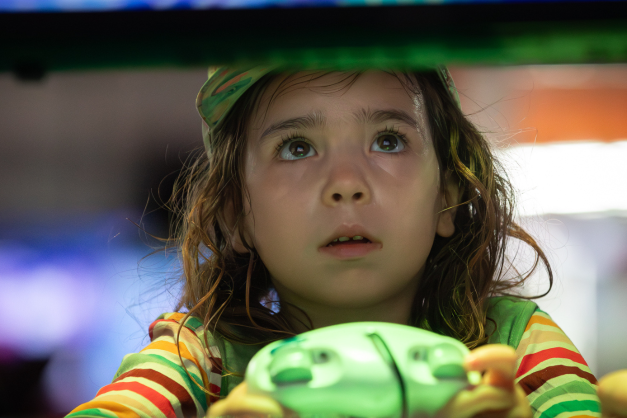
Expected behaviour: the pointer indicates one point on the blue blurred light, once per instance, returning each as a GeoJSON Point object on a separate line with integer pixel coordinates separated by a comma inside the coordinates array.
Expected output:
{"type": "Point", "coordinates": [79, 293]}
{"type": "Point", "coordinates": [110, 5]}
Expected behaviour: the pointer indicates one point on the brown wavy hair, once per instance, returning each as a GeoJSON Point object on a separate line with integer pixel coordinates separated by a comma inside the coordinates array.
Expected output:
{"type": "Point", "coordinates": [232, 292]}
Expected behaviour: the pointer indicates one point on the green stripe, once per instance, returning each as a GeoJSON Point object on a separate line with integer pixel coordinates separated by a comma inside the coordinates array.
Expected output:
{"type": "Point", "coordinates": [193, 323]}
{"type": "Point", "coordinates": [571, 406]}
{"type": "Point", "coordinates": [573, 387]}
{"type": "Point", "coordinates": [92, 412]}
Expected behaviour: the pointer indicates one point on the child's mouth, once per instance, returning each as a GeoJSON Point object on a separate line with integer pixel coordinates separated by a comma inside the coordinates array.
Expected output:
{"type": "Point", "coordinates": [349, 241]}
{"type": "Point", "coordinates": [350, 248]}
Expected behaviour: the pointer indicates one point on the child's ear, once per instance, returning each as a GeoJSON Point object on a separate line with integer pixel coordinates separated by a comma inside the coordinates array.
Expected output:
{"type": "Point", "coordinates": [233, 232]}
{"type": "Point", "coordinates": [449, 201]}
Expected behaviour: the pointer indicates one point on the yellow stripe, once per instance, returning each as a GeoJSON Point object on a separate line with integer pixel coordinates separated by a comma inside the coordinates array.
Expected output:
{"type": "Point", "coordinates": [536, 336]}
{"type": "Point", "coordinates": [121, 411]}
{"type": "Point", "coordinates": [538, 328]}
{"type": "Point", "coordinates": [177, 316]}
{"type": "Point", "coordinates": [539, 319]}
{"type": "Point", "coordinates": [134, 400]}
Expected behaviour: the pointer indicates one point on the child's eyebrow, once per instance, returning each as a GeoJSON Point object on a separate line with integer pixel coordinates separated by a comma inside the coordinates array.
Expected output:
{"type": "Point", "coordinates": [317, 119]}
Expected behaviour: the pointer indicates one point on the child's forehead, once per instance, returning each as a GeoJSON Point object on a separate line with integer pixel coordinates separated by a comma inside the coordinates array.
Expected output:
{"type": "Point", "coordinates": [324, 93]}
{"type": "Point", "coordinates": [337, 82]}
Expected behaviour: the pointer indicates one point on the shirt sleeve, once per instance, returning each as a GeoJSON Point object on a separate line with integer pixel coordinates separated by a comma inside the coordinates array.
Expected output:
{"type": "Point", "coordinates": [554, 375]}
{"type": "Point", "coordinates": [153, 382]}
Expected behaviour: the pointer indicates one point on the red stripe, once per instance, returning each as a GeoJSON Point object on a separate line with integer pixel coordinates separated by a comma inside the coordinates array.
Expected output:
{"type": "Point", "coordinates": [152, 395]}
{"type": "Point", "coordinates": [532, 360]}
{"type": "Point", "coordinates": [213, 389]}
{"type": "Point", "coordinates": [216, 364]}
{"type": "Point", "coordinates": [152, 326]}
{"type": "Point", "coordinates": [535, 380]}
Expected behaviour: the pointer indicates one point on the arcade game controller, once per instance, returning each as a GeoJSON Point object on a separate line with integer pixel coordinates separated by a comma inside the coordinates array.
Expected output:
{"type": "Point", "coordinates": [362, 369]}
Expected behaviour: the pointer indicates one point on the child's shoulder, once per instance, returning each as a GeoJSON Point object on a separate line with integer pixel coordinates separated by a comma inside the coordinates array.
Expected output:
{"type": "Point", "coordinates": [166, 320]}
{"type": "Point", "coordinates": [507, 319]}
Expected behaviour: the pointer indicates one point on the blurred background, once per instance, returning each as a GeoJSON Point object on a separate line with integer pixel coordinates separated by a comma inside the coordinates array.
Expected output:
{"type": "Point", "coordinates": [97, 118]}
{"type": "Point", "coordinates": [87, 160]}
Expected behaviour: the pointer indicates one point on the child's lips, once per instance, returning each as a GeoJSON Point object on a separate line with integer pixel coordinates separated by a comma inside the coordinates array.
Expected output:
{"type": "Point", "coordinates": [353, 250]}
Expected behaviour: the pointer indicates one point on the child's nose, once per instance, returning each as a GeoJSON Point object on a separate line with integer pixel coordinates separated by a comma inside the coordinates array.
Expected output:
{"type": "Point", "coordinates": [346, 184]}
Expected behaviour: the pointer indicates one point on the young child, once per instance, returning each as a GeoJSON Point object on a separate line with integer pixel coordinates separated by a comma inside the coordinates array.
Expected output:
{"type": "Point", "coordinates": [334, 197]}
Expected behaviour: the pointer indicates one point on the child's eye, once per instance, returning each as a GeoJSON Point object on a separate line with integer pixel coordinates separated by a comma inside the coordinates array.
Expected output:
{"type": "Point", "coordinates": [389, 142]}
{"type": "Point", "coordinates": [295, 149]}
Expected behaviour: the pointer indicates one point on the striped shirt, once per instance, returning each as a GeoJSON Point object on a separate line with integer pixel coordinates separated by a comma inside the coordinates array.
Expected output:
{"type": "Point", "coordinates": [555, 377]}
{"type": "Point", "coordinates": [152, 383]}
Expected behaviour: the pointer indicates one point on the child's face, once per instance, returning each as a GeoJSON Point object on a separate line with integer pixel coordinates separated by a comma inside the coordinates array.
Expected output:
{"type": "Point", "coordinates": [343, 173]}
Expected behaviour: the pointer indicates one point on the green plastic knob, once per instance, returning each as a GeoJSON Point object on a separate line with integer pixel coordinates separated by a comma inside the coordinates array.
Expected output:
{"type": "Point", "coordinates": [445, 361]}
{"type": "Point", "coordinates": [290, 364]}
